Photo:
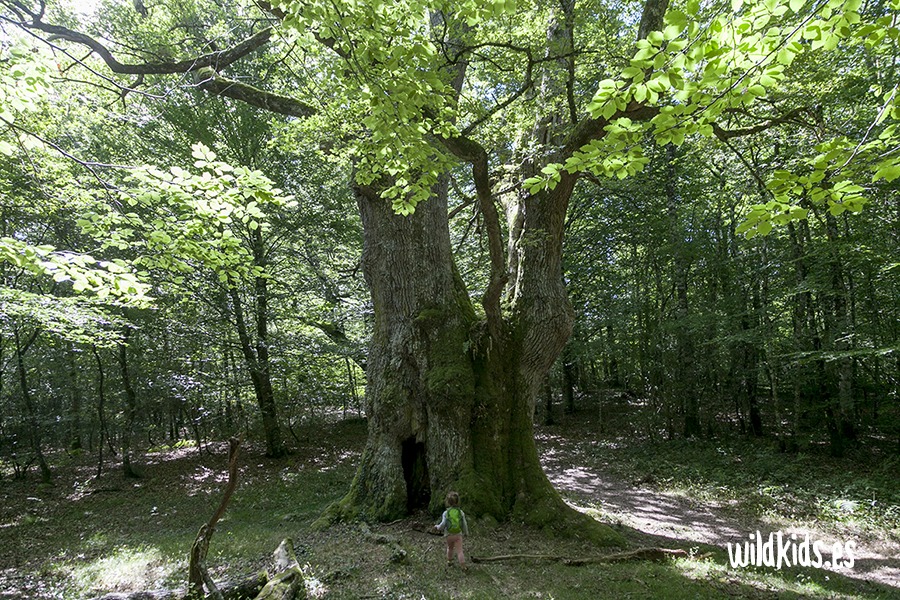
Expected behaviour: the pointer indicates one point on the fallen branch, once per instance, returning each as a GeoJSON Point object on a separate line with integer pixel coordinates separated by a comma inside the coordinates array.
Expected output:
{"type": "Point", "coordinates": [654, 554]}
{"type": "Point", "coordinates": [505, 557]}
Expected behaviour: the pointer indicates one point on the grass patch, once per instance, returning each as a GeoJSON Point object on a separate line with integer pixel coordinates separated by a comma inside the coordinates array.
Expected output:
{"type": "Point", "coordinates": [124, 569]}
{"type": "Point", "coordinates": [756, 480]}
{"type": "Point", "coordinates": [82, 537]}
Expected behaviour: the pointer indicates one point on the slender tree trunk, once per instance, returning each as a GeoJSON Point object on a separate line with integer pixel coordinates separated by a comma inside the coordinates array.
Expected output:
{"type": "Point", "coordinates": [101, 413]}
{"type": "Point", "coordinates": [568, 370]}
{"type": "Point", "coordinates": [614, 377]}
{"type": "Point", "coordinates": [257, 359]}
{"type": "Point", "coordinates": [75, 406]}
{"type": "Point", "coordinates": [841, 332]}
{"type": "Point", "coordinates": [750, 370]}
{"type": "Point", "coordinates": [684, 376]}
{"type": "Point", "coordinates": [28, 402]}
{"type": "Point", "coordinates": [130, 405]}
{"type": "Point", "coordinates": [351, 381]}
{"type": "Point", "coordinates": [548, 402]}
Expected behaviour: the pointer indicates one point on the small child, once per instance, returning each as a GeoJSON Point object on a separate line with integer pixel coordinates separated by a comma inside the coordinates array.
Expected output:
{"type": "Point", "coordinates": [453, 525]}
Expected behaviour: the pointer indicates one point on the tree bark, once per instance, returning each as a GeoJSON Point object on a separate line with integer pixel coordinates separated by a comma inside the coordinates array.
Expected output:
{"type": "Point", "coordinates": [130, 405]}
{"type": "Point", "coordinates": [75, 407]}
{"type": "Point", "coordinates": [256, 354]}
{"type": "Point", "coordinates": [198, 576]}
{"type": "Point", "coordinates": [30, 413]}
{"type": "Point", "coordinates": [450, 404]}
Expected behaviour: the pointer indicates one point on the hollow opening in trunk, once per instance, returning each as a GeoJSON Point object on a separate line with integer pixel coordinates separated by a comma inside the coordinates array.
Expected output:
{"type": "Point", "coordinates": [415, 472]}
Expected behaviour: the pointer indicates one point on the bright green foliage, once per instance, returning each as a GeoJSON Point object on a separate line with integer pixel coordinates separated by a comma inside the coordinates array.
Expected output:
{"type": "Point", "coordinates": [179, 221]}
{"type": "Point", "coordinates": [400, 91]}
{"type": "Point", "coordinates": [695, 75]}
{"type": "Point", "coordinates": [103, 278]}
{"type": "Point", "coordinates": [23, 87]}
{"type": "Point", "coordinates": [698, 76]}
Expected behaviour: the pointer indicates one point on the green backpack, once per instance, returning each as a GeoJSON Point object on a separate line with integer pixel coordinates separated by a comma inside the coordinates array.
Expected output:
{"type": "Point", "coordinates": [454, 515]}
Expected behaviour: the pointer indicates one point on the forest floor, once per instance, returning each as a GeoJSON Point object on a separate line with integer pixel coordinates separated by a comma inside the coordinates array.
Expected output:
{"type": "Point", "coordinates": [83, 537]}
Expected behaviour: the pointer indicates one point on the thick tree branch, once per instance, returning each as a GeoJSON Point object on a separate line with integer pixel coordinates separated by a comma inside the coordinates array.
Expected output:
{"type": "Point", "coordinates": [329, 43]}
{"type": "Point", "coordinates": [472, 152]}
{"type": "Point", "coordinates": [529, 83]}
{"type": "Point", "coordinates": [337, 335]}
{"type": "Point", "coordinates": [216, 60]}
{"type": "Point", "coordinates": [726, 134]}
{"type": "Point", "coordinates": [640, 554]}
{"type": "Point", "coordinates": [592, 129]}
{"type": "Point", "coordinates": [652, 17]}
{"type": "Point", "coordinates": [214, 83]}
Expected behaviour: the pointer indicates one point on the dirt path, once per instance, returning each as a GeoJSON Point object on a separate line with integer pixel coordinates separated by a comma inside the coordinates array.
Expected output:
{"type": "Point", "coordinates": [662, 518]}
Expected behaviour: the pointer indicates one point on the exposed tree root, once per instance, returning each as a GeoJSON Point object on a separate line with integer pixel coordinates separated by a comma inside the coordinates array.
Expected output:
{"type": "Point", "coordinates": [398, 554]}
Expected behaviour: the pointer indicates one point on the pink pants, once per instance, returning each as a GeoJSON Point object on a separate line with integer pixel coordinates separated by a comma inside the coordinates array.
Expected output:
{"type": "Point", "coordinates": [455, 541]}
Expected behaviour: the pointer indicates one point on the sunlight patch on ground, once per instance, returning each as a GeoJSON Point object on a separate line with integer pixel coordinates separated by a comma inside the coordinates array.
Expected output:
{"type": "Point", "coordinates": [126, 569]}
{"type": "Point", "coordinates": [777, 582]}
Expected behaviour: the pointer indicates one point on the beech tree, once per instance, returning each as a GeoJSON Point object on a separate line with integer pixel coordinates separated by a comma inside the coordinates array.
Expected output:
{"type": "Point", "coordinates": [514, 103]}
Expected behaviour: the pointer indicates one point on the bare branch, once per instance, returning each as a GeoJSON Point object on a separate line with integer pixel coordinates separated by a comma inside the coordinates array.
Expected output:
{"type": "Point", "coordinates": [216, 60]}
{"type": "Point", "coordinates": [726, 134]}
{"type": "Point", "coordinates": [221, 86]}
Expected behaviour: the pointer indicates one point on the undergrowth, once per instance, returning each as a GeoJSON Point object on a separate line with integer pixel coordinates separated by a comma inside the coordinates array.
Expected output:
{"type": "Point", "coordinates": [755, 479]}
{"type": "Point", "coordinates": [83, 537]}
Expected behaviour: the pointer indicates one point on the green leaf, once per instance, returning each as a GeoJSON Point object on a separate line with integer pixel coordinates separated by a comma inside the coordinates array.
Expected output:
{"type": "Point", "coordinates": [888, 172]}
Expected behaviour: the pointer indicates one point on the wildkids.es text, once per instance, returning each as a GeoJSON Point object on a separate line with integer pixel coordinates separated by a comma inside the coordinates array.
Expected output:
{"type": "Point", "coordinates": [781, 550]}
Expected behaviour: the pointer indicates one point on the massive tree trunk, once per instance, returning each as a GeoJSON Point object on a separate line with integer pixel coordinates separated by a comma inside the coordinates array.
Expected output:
{"type": "Point", "coordinates": [451, 386]}
{"type": "Point", "coordinates": [450, 397]}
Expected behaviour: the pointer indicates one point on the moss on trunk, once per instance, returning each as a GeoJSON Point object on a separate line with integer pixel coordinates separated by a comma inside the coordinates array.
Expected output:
{"type": "Point", "coordinates": [446, 389]}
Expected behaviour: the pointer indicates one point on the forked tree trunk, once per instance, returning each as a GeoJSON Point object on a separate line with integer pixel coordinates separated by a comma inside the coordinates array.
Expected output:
{"type": "Point", "coordinates": [451, 390]}
{"type": "Point", "coordinates": [450, 404]}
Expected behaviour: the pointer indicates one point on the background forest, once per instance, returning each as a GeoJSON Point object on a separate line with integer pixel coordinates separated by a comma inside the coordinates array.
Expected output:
{"type": "Point", "coordinates": [180, 264]}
